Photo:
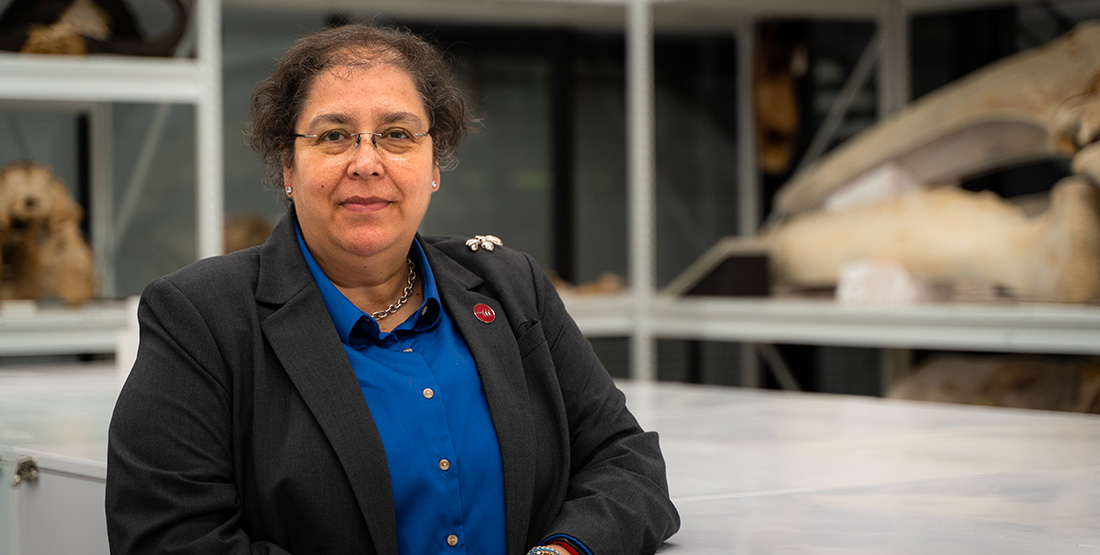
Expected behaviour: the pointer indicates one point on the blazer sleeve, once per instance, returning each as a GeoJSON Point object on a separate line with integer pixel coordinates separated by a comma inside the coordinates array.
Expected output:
{"type": "Point", "coordinates": [617, 501]}
{"type": "Point", "coordinates": [171, 486]}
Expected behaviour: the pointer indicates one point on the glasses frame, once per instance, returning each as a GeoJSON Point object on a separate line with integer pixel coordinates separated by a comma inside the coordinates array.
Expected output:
{"type": "Point", "coordinates": [374, 135]}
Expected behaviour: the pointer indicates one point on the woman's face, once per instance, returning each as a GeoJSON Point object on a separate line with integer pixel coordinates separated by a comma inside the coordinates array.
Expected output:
{"type": "Point", "coordinates": [365, 201]}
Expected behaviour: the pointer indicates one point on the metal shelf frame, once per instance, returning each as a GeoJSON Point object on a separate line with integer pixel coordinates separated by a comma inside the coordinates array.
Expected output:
{"type": "Point", "coordinates": [641, 314]}
{"type": "Point", "coordinates": [892, 19]}
{"type": "Point", "coordinates": [90, 329]}
{"type": "Point", "coordinates": [98, 81]}
{"type": "Point", "coordinates": [644, 317]}
{"type": "Point", "coordinates": [1019, 328]}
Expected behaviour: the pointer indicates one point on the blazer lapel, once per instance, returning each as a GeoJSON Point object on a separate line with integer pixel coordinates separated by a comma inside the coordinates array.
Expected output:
{"type": "Point", "coordinates": [493, 347]}
{"type": "Point", "coordinates": [302, 335]}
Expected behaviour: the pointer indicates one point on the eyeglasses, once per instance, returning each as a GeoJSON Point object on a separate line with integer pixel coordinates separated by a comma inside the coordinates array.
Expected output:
{"type": "Point", "coordinates": [393, 142]}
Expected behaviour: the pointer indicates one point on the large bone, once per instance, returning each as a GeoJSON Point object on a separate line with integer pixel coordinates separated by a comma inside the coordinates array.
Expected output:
{"type": "Point", "coordinates": [949, 234]}
{"type": "Point", "coordinates": [1040, 103]}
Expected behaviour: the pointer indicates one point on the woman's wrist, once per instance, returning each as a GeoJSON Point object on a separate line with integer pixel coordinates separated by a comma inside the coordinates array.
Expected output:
{"type": "Point", "coordinates": [564, 547]}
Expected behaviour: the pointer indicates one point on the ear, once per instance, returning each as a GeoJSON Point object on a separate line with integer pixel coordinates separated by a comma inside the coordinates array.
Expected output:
{"type": "Point", "coordinates": [288, 170]}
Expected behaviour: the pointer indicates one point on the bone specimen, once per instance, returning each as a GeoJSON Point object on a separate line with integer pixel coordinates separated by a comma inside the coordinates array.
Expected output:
{"type": "Point", "coordinates": [949, 234]}
{"type": "Point", "coordinates": [1040, 103]}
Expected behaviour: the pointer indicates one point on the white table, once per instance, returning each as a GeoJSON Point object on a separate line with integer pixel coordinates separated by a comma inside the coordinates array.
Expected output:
{"type": "Point", "coordinates": [750, 471]}
{"type": "Point", "coordinates": [60, 417]}
{"type": "Point", "coordinates": [768, 472]}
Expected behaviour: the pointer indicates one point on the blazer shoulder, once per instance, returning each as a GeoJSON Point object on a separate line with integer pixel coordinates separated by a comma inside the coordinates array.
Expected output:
{"type": "Point", "coordinates": [217, 276]}
{"type": "Point", "coordinates": [511, 276]}
{"type": "Point", "coordinates": [482, 261]}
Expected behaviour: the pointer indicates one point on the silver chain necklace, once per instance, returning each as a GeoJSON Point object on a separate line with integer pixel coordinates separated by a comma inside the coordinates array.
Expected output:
{"type": "Point", "coordinates": [404, 294]}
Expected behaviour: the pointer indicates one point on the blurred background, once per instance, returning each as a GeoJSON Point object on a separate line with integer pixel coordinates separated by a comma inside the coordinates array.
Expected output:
{"type": "Point", "coordinates": [547, 170]}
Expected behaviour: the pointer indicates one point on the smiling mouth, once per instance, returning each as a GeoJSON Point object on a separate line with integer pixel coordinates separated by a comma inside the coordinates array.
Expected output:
{"type": "Point", "coordinates": [359, 204]}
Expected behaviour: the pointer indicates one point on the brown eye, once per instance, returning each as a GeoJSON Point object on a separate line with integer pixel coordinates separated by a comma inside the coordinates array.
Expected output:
{"type": "Point", "coordinates": [396, 134]}
{"type": "Point", "coordinates": [333, 136]}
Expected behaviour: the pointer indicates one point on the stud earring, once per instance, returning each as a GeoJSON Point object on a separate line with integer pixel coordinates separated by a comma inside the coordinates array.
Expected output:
{"type": "Point", "coordinates": [288, 189]}
{"type": "Point", "coordinates": [435, 185]}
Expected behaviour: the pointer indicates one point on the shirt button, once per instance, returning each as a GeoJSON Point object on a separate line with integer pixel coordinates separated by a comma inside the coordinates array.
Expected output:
{"type": "Point", "coordinates": [428, 393]}
{"type": "Point", "coordinates": [444, 464]}
{"type": "Point", "coordinates": [452, 540]}
{"type": "Point", "coordinates": [408, 350]}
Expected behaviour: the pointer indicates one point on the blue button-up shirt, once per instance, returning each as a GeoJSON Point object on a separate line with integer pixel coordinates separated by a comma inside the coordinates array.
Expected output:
{"type": "Point", "coordinates": [425, 396]}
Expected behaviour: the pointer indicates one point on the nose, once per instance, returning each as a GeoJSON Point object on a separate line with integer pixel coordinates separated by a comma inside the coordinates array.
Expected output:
{"type": "Point", "coordinates": [359, 139]}
{"type": "Point", "coordinates": [365, 161]}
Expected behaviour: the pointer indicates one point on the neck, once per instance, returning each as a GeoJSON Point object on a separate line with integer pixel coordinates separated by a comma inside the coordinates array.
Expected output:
{"type": "Point", "coordinates": [372, 297]}
{"type": "Point", "coordinates": [373, 283]}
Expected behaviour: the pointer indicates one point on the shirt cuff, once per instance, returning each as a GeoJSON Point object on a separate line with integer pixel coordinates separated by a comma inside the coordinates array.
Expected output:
{"type": "Point", "coordinates": [573, 542]}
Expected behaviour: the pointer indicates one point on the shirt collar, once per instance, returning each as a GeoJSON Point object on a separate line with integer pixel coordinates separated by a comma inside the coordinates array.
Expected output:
{"type": "Point", "coordinates": [354, 325]}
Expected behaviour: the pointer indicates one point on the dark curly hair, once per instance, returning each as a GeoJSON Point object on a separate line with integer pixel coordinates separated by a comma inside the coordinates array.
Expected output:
{"type": "Point", "coordinates": [278, 101]}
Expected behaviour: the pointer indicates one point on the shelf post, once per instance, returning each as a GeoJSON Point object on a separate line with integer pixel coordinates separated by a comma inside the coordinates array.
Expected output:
{"type": "Point", "coordinates": [640, 186]}
{"type": "Point", "coordinates": [894, 64]}
{"type": "Point", "coordinates": [208, 131]}
{"type": "Point", "coordinates": [748, 174]}
{"type": "Point", "coordinates": [104, 237]}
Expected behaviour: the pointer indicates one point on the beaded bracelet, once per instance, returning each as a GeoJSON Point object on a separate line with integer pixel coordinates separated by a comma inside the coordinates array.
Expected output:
{"type": "Point", "coordinates": [540, 550]}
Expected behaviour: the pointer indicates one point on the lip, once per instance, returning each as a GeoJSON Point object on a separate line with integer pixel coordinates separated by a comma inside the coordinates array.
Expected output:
{"type": "Point", "coordinates": [364, 204]}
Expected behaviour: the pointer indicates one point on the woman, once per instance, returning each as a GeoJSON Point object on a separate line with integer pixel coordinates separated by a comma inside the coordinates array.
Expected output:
{"type": "Point", "coordinates": [353, 387]}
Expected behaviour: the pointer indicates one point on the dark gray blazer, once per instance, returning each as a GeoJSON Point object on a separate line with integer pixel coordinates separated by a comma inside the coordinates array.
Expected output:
{"type": "Point", "coordinates": [242, 428]}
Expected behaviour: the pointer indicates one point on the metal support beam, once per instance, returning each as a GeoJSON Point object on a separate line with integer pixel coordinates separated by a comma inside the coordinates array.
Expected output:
{"type": "Point", "coordinates": [640, 186]}
{"type": "Point", "coordinates": [894, 87]}
{"type": "Point", "coordinates": [748, 173]}
{"type": "Point", "coordinates": [834, 119]}
{"type": "Point", "coordinates": [208, 132]}
{"type": "Point", "coordinates": [103, 237]}
{"type": "Point", "coordinates": [778, 366]}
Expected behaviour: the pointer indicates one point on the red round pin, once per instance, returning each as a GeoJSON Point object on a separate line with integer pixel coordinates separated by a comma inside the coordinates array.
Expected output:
{"type": "Point", "coordinates": [484, 313]}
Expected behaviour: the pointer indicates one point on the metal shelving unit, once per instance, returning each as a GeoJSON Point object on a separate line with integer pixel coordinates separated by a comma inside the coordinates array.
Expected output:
{"type": "Point", "coordinates": [1022, 328]}
{"type": "Point", "coordinates": [645, 317]}
{"type": "Point", "coordinates": [90, 329]}
{"type": "Point", "coordinates": [91, 85]}
{"type": "Point", "coordinates": [640, 314]}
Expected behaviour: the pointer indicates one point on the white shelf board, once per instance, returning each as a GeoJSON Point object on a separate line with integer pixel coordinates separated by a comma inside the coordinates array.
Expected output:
{"type": "Point", "coordinates": [669, 15]}
{"type": "Point", "coordinates": [577, 13]}
{"type": "Point", "coordinates": [1034, 328]}
{"type": "Point", "coordinates": [90, 329]}
{"type": "Point", "coordinates": [831, 8]}
{"type": "Point", "coordinates": [1024, 328]}
{"type": "Point", "coordinates": [99, 78]}
{"type": "Point", "coordinates": [602, 315]}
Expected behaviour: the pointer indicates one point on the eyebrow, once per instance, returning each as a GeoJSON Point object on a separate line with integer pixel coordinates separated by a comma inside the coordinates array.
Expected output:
{"type": "Point", "coordinates": [394, 117]}
{"type": "Point", "coordinates": [337, 118]}
{"type": "Point", "coordinates": [386, 118]}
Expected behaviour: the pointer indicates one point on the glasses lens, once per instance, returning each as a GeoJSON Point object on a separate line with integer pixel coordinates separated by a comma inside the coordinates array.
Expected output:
{"type": "Point", "coordinates": [395, 141]}
{"type": "Point", "coordinates": [335, 141]}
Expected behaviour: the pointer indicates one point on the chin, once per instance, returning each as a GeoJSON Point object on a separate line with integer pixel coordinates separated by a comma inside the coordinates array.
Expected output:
{"type": "Point", "coordinates": [372, 242]}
